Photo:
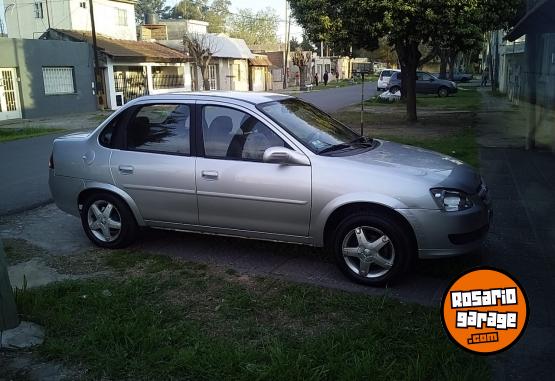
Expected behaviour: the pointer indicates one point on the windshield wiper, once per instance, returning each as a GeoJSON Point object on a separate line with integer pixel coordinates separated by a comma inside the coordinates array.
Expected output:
{"type": "Point", "coordinates": [334, 147]}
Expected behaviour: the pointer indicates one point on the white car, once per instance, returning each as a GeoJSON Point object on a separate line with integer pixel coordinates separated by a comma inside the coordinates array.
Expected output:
{"type": "Point", "coordinates": [383, 80]}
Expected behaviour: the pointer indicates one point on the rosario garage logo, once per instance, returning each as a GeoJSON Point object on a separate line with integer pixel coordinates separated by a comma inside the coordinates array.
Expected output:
{"type": "Point", "coordinates": [485, 311]}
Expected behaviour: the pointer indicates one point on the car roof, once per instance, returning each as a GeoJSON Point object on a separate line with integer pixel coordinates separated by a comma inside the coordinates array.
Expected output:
{"type": "Point", "coordinates": [250, 97]}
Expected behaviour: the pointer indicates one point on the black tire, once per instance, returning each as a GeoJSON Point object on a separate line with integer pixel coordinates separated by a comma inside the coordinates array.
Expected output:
{"type": "Point", "coordinates": [121, 213]}
{"type": "Point", "coordinates": [400, 240]}
{"type": "Point", "coordinates": [394, 89]}
{"type": "Point", "coordinates": [443, 92]}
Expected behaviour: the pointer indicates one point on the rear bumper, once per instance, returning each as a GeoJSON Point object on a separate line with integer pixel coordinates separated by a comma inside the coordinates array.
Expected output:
{"type": "Point", "coordinates": [443, 234]}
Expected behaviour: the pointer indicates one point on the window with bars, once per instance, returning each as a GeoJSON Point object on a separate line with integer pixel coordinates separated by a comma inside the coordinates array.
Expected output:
{"type": "Point", "coordinates": [83, 4]}
{"type": "Point", "coordinates": [39, 13]}
{"type": "Point", "coordinates": [58, 80]}
{"type": "Point", "coordinates": [122, 17]}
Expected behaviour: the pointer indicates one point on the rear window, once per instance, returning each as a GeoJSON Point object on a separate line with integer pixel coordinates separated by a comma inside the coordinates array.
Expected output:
{"type": "Point", "coordinates": [386, 73]}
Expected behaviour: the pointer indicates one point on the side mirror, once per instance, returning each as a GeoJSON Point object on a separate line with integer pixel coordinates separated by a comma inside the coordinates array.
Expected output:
{"type": "Point", "coordinates": [282, 155]}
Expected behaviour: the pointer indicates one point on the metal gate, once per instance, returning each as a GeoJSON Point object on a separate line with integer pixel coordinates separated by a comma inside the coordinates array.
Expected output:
{"type": "Point", "coordinates": [9, 95]}
{"type": "Point", "coordinates": [131, 84]}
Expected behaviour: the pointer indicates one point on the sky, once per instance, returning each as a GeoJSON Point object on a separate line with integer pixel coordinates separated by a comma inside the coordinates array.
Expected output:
{"type": "Point", "coordinates": [256, 5]}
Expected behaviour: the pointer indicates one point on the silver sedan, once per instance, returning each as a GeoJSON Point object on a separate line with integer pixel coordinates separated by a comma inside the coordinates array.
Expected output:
{"type": "Point", "coordinates": [270, 167]}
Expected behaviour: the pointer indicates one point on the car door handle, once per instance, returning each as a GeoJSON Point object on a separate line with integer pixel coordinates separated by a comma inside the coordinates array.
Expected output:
{"type": "Point", "coordinates": [126, 169]}
{"type": "Point", "coordinates": [209, 175]}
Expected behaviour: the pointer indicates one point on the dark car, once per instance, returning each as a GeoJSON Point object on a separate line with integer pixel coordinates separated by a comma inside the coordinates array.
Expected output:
{"type": "Point", "coordinates": [459, 77]}
{"type": "Point", "coordinates": [425, 84]}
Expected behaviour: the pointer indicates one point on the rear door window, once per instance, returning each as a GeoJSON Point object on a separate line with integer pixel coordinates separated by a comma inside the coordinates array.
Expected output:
{"type": "Point", "coordinates": [160, 128]}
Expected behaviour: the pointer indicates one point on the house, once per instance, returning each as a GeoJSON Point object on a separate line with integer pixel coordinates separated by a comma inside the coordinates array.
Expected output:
{"type": "Point", "coordinates": [45, 78]}
{"type": "Point", "coordinates": [524, 63]}
{"type": "Point", "coordinates": [131, 69]}
{"type": "Point", "coordinates": [259, 73]}
{"type": "Point", "coordinates": [31, 19]}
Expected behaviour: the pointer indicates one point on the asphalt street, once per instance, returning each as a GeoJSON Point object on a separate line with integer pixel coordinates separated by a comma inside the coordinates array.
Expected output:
{"type": "Point", "coordinates": [24, 171]}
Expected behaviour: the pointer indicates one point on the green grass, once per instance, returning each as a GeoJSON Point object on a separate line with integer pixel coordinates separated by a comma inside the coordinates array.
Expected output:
{"type": "Point", "coordinates": [164, 319]}
{"type": "Point", "coordinates": [462, 145]}
{"type": "Point", "coordinates": [466, 99]}
{"type": "Point", "coordinates": [8, 134]}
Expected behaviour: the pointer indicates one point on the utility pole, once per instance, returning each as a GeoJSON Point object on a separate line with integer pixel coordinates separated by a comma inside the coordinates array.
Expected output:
{"type": "Point", "coordinates": [97, 83]}
{"type": "Point", "coordinates": [47, 14]}
{"type": "Point", "coordinates": [286, 52]}
{"type": "Point", "coordinates": [362, 106]}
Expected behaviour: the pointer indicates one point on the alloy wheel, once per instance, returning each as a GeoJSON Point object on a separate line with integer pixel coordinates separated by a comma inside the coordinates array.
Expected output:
{"type": "Point", "coordinates": [368, 252]}
{"type": "Point", "coordinates": [104, 221]}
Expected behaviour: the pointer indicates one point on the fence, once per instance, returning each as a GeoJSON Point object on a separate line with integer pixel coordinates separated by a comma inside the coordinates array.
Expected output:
{"type": "Point", "coordinates": [132, 85]}
{"type": "Point", "coordinates": [167, 81]}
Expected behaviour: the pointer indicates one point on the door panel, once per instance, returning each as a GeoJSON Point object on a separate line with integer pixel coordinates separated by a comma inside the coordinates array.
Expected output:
{"type": "Point", "coordinates": [235, 188]}
{"type": "Point", "coordinates": [163, 186]}
{"type": "Point", "coordinates": [154, 167]}
{"type": "Point", "coordinates": [254, 196]}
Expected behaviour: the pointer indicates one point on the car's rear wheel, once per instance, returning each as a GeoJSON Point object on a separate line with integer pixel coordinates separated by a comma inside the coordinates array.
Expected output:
{"type": "Point", "coordinates": [394, 89]}
{"type": "Point", "coordinates": [371, 248]}
{"type": "Point", "coordinates": [443, 92]}
{"type": "Point", "coordinates": [108, 221]}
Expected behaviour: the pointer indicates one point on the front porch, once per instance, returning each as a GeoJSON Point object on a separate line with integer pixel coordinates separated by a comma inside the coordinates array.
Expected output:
{"type": "Point", "coordinates": [126, 81]}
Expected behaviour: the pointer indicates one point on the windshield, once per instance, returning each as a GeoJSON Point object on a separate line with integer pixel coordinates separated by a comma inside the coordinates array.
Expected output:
{"type": "Point", "coordinates": [312, 127]}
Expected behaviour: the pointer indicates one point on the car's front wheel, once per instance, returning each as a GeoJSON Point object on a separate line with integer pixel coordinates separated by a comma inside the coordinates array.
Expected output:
{"type": "Point", "coordinates": [108, 221]}
{"type": "Point", "coordinates": [372, 248]}
{"type": "Point", "coordinates": [443, 92]}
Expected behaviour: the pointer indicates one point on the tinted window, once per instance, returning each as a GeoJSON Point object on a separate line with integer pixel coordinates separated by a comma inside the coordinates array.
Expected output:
{"type": "Point", "coordinates": [386, 73]}
{"type": "Point", "coordinates": [420, 76]}
{"type": "Point", "coordinates": [395, 76]}
{"type": "Point", "coordinates": [160, 128]}
{"type": "Point", "coordinates": [233, 134]}
{"type": "Point", "coordinates": [107, 136]}
{"type": "Point", "coordinates": [314, 128]}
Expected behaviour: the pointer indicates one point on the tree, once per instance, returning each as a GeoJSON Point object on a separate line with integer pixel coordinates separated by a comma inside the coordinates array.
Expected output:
{"type": "Point", "coordinates": [144, 7]}
{"type": "Point", "coordinates": [256, 28]}
{"type": "Point", "coordinates": [408, 25]}
{"type": "Point", "coordinates": [217, 15]}
{"type": "Point", "coordinates": [201, 47]}
{"type": "Point", "coordinates": [306, 45]}
{"type": "Point", "coordinates": [294, 44]}
{"type": "Point", "coordinates": [301, 60]}
{"type": "Point", "coordinates": [190, 9]}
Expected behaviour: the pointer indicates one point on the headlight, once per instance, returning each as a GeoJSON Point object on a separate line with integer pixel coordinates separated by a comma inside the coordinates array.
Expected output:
{"type": "Point", "coordinates": [454, 84]}
{"type": "Point", "coordinates": [451, 200]}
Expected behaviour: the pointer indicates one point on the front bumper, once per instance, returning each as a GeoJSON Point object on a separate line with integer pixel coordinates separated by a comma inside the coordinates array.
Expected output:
{"type": "Point", "coordinates": [442, 234]}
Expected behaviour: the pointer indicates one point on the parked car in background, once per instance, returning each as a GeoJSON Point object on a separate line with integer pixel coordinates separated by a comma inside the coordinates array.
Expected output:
{"type": "Point", "coordinates": [425, 84]}
{"type": "Point", "coordinates": [271, 167]}
{"type": "Point", "coordinates": [383, 79]}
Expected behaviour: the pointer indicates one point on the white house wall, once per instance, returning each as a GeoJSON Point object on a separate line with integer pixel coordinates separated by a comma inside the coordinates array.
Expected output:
{"type": "Point", "coordinates": [68, 14]}
{"type": "Point", "coordinates": [22, 23]}
{"type": "Point", "coordinates": [105, 18]}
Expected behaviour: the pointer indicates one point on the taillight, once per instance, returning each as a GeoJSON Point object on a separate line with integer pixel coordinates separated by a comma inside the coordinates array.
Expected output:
{"type": "Point", "coordinates": [51, 161]}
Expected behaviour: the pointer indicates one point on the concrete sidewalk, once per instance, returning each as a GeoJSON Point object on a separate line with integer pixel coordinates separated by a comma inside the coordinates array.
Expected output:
{"type": "Point", "coordinates": [78, 121]}
{"type": "Point", "coordinates": [522, 238]}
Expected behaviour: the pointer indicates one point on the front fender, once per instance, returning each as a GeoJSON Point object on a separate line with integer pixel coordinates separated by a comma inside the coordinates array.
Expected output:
{"type": "Point", "coordinates": [320, 219]}
{"type": "Point", "coordinates": [113, 189]}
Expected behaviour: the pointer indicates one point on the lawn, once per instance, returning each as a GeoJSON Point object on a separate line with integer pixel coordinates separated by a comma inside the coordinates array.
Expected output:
{"type": "Point", "coordinates": [466, 99]}
{"type": "Point", "coordinates": [8, 134]}
{"type": "Point", "coordinates": [161, 318]}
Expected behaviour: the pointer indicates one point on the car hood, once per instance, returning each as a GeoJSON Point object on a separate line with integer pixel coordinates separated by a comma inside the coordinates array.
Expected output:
{"type": "Point", "coordinates": [441, 170]}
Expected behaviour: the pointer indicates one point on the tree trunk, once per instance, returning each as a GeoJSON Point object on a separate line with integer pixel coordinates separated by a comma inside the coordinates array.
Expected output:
{"type": "Point", "coordinates": [452, 59]}
{"type": "Point", "coordinates": [442, 64]}
{"type": "Point", "coordinates": [205, 78]}
{"type": "Point", "coordinates": [302, 78]}
{"type": "Point", "coordinates": [409, 58]}
{"type": "Point", "coordinates": [8, 312]}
